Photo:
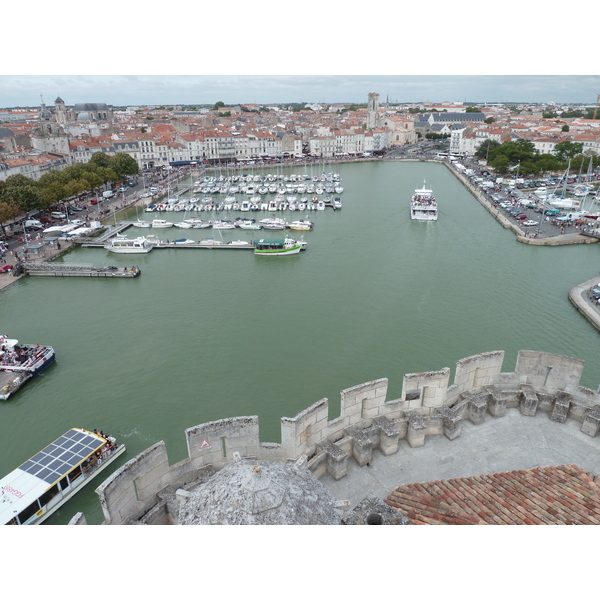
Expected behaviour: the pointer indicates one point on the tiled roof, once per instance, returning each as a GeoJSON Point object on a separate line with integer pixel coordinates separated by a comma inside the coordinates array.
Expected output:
{"type": "Point", "coordinates": [542, 496]}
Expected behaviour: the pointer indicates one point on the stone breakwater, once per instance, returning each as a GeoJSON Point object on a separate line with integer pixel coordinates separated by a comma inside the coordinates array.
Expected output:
{"type": "Point", "coordinates": [141, 491]}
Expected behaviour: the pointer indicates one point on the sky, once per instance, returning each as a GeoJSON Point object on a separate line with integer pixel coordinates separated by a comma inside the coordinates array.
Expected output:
{"type": "Point", "coordinates": [314, 51]}
{"type": "Point", "coordinates": [119, 90]}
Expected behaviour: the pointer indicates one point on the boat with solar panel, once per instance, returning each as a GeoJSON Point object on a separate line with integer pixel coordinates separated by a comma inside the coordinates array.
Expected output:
{"type": "Point", "coordinates": [40, 486]}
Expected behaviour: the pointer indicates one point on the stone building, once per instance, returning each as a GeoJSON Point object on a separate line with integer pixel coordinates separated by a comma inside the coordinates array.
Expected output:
{"type": "Point", "coordinates": [373, 111]}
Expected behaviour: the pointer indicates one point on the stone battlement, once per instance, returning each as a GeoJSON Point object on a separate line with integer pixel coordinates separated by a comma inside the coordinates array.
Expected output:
{"type": "Point", "coordinates": [429, 405]}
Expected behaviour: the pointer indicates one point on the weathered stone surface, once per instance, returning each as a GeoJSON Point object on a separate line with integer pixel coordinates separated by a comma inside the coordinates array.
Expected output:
{"type": "Point", "coordinates": [451, 422]}
{"type": "Point", "coordinates": [562, 404]}
{"type": "Point", "coordinates": [496, 404]}
{"type": "Point", "coordinates": [248, 492]}
{"type": "Point", "coordinates": [388, 435]}
{"type": "Point", "coordinates": [362, 446]}
{"type": "Point", "coordinates": [477, 407]}
{"type": "Point", "coordinates": [373, 511]}
{"type": "Point", "coordinates": [528, 404]}
{"type": "Point", "coordinates": [416, 429]}
{"type": "Point", "coordinates": [591, 422]}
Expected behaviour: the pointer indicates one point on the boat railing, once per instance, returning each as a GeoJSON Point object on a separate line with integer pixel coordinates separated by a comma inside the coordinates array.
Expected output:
{"type": "Point", "coordinates": [97, 459]}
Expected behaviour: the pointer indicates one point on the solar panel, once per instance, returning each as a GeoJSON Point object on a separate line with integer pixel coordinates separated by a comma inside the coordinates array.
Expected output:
{"type": "Point", "coordinates": [55, 460]}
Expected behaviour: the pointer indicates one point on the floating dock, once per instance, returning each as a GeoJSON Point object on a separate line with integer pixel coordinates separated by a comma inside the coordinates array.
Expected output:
{"type": "Point", "coordinates": [44, 269]}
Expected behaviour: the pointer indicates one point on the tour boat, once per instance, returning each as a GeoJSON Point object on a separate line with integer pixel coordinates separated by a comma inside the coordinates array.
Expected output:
{"type": "Point", "coordinates": [144, 224]}
{"type": "Point", "coordinates": [124, 245]}
{"type": "Point", "coordinates": [20, 362]}
{"type": "Point", "coordinates": [423, 206]}
{"type": "Point", "coordinates": [40, 486]}
{"type": "Point", "coordinates": [26, 358]}
{"type": "Point", "coordinates": [281, 247]}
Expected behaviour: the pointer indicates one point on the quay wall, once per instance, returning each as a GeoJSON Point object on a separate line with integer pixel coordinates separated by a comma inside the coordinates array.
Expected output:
{"type": "Point", "coordinates": [430, 404]}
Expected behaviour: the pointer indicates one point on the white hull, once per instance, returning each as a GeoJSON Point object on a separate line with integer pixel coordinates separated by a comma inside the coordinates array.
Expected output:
{"type": "Point", "coordinates": [417, 215]}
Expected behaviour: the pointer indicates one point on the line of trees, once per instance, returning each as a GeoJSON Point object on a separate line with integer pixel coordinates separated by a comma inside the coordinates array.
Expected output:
{"type": "Point", "coordinates": [506, 156]}
{"type": "Point", "coordinates": [20, 194]}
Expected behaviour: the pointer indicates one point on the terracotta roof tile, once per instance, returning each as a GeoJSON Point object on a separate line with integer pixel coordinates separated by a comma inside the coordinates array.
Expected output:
{"type": "Point", "coordinates": [545, 495]}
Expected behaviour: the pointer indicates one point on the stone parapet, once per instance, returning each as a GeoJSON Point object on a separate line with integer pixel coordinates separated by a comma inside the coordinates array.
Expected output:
{"type": "Point", "coordinates": [430, 405]}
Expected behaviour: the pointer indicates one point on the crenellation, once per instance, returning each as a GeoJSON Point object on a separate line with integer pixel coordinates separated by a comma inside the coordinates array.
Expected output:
{"type": "Point", "coordinates": [366, 422]}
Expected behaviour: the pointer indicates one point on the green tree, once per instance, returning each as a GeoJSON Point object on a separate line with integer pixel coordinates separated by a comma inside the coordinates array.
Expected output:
{"type": "Point", "coordinates": [565, 150]}
{"type": "Point", "coordinates": [123, 164]}
{"type": "Point", "coordinates": [484, 149]}
{"type": "Point", "coordinates": [100, 159]}
{"type": "Point", "coordinates": [218, 105]}
{"type": "Point", "coordinates": [8, 210]}
{"type": "Point", "coordinates": [500, 163]}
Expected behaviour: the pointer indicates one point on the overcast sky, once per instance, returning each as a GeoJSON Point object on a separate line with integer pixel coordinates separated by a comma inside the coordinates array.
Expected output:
{"type": "Point", "coordinates": [313, 51]}
{"type": "Point", "coordinates": [118, 90]}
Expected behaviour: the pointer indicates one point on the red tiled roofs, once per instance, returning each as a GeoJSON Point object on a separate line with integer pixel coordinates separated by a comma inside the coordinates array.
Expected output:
{"type": "Point", "coordinates": [545, 495]}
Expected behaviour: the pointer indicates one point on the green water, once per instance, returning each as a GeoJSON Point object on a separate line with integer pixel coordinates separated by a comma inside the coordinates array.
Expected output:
{"type": "Point", "coordinates": [205, 334]}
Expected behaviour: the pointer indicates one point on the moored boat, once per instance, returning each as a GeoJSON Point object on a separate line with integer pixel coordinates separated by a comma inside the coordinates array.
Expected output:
{"type": "Point", "coordinates": [40, 486]}
{"type": "Point", "coordinates": [161, 224]}
{"type": "Point", "coordinates": [123, 245]}
{"type": "Point", "coordinates": [423, 205]}
{"type": "Point", "coordinates": [279, 247]}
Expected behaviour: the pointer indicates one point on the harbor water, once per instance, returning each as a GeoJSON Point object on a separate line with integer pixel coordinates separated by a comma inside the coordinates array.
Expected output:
{"type": "Point", "coordinates": [206, 334]}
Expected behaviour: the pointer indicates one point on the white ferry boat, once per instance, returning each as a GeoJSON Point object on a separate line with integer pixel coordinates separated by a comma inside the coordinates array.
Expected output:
{"type": "Point", "coordinates": [124, 245]}
{"type": "Point", "coordinates": [423, 206]}
{"type": "Point", "coordinates": [40, 486]}
{"type": "Point", "coordinates": [281, 247]}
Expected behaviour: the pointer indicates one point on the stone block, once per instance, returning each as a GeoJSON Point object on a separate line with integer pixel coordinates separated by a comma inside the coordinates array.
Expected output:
{"type": "Point", "coordinates": [337, 459]}
{"type": "Point", "coordinates": [388, 435]}
{"type": "Point", "coordinates": [591, 422]}
{"type": "Point", "coordinates": [477, 407]}
{"type": "Point", "coordinates": [496, 403]}
{"type": "Point", "coordinates": [362, 446]}
{"type": "Point", "coordinates": [528, 401]}
{"type": "Point", "coordinates": [416, 429]}
{"type": "Point", "coordinates": [562, 404]}
{"type": "Point", "coordinates": [451, 421]}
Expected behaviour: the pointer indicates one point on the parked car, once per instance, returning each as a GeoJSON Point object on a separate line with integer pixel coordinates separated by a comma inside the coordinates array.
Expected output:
{"type": "Point", "coordinates": [529, 223]}
{"type": "Point", "coordinates": [521, 217]}
{"type": "Point", "coordinates": [46, 220]}
{"type": "Point", "coordinates": [5, 268]}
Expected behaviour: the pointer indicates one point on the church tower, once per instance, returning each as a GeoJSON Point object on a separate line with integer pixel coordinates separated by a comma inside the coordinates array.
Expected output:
{"type": "Point", "coordinates": [373, 111]}
{"type": "Point", "coordinates": [60, 111]}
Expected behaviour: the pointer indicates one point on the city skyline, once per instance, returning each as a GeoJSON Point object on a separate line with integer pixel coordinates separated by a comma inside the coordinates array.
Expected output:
{"type": "Point", "coordinates": [133, 90]}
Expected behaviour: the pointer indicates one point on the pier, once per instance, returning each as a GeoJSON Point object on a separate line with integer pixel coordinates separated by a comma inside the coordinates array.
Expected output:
{"type": "Point", "coordinates": [45, 269]}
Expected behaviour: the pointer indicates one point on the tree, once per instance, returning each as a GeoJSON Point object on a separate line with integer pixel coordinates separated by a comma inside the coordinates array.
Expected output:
{"type": "Point", "coordinates": [565, 150]}
{"type": "Point", "coordinates": [100, 159]}
{"type": "Point", "coordinates": [500, 163]}
{"type": "Point", "coordinates": [484, 149]}
{"type": "Point", "coordinates": [218, 105]}
{"type": "Point", "coordinates": [123, 164]}
{"type": "Point", "coordinates": [565, 128]}
{"type": "Point", "coordinates": [8, 210]}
